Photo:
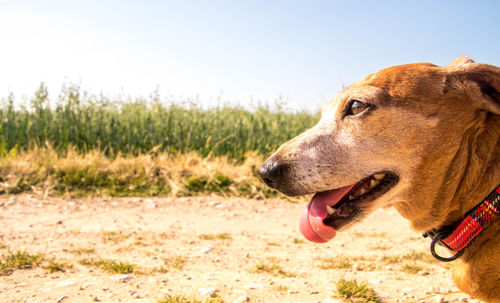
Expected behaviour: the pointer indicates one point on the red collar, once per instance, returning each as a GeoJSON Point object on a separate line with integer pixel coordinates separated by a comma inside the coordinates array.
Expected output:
{"type": "Point", "coordinates": [458, 236]}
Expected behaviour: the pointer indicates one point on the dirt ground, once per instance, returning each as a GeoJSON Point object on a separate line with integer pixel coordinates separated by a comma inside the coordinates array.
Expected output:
{"type": "Point", "coordinates": [238, 249]}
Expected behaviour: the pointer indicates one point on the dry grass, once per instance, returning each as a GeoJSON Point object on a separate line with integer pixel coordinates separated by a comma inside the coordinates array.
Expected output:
{"type": "Point", "coordinates": [336, 263]}
{"type": "Point", "coordinates": [54, 266]}
{"type": "Point", "coordinates": [46, 172]}
{"type": "Point", "coordinates": [183, 299]}
{"type": "Point", "coordinates": [219, 236]}
{"type": "Point", "coordinates": [111, 266]}
{"type": "Point", "coordinates": [19, 260]}
{"type": "Point", "coordinates": [272, 268]}
{"type": "Point", "coordinates": [356, 292]}
{"type": "Point", "coordinates": [412, 268]}
{"type": "Point", "coordinates": [113, 236]}
{"type": "Point", "coordinates": [82, 250]}
{"type": "Point", "coordinates": [176, 262]}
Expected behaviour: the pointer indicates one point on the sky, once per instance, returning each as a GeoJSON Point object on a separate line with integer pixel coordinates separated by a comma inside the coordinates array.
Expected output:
{"type": "Point", "coordinates": [233, 51]}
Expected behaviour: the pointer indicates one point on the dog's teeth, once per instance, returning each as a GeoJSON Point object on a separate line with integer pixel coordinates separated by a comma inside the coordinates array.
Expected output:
{"type": "Point", "coordinates": [373, 183]}
{"type": "Point", "coordinates": [330, 210]}
{"type": "Point", "coordinates": [351, 197]}
{"type": "Point", "coordinates": [379, 176]}
{"type": "Point", "coordinates": [362, 191]}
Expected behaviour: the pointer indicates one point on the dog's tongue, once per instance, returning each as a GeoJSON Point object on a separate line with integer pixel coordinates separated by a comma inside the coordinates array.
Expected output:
{"type": "Point", "coordinates": [311, 220]}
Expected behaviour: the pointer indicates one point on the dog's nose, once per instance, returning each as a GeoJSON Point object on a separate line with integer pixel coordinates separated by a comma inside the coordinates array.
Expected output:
{"type": "Point", "coordinates": [271, 172]}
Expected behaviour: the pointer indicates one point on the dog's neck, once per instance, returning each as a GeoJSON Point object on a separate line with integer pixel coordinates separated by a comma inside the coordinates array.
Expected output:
{"type": "Point", "coordinates": [472, 173]}
{"type": "Point", "coordinates": [481, 172]}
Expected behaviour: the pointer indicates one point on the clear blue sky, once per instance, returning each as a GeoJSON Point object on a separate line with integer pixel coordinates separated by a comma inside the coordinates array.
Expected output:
{"type": "Point", "coordinates": [243, 50]}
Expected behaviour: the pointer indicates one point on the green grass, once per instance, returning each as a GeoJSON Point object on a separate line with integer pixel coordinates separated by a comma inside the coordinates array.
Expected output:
{"type": "Point", "coordinates": [412, 256]}
{"type": "Point", "coordinates": [19, 260]}
{"type": "Point", "coordinates": [84, 145]}
{"type": "Point", "coordinates": [74, 118]}
{"type": "Point", "coordinates": [111, 266]}
{"type": "Point", "coordinates": [183, 299]}
{"type": "Point", "coordinates": [216, 184]}
{"type": "Point", "coordinates": [273, 269]}
{"type": "Point", "coordinates": [58, 266]}
{"type": "Point", "coordinates": [82, 250]}
{"type": "Point", "coordinates": [113, 236]}
{"type": "Point", "coordinates": [219, 236]}
{"type": "Point", "coordinates": [176, 262]}
{"type": "Point", "coordinates": [356, 292]}
{"type": "Point", "coordinates": [412, 268]}
{"type": "Point", "coordinates": [336, 263]}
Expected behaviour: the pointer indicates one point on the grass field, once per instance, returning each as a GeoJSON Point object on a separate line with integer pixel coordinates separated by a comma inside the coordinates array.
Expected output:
{"type": "Point", "coordinates": [85, 145]}
{"type": "Point", "coordinates": [48, 173]}
{"type": "Point", "coordinates": [83, 122]}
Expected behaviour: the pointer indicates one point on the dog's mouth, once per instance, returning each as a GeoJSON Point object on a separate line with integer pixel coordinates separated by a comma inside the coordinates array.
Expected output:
{"type": "Point", "coordinates": [332, 210]}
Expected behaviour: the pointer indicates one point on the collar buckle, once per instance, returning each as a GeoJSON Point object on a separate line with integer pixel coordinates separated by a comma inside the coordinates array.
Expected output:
{"type": "Point", "coordinates": [436, 237]}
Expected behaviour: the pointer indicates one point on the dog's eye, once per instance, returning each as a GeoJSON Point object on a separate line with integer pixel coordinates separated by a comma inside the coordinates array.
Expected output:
{"type": "Point", "coordinates": [356, 107]}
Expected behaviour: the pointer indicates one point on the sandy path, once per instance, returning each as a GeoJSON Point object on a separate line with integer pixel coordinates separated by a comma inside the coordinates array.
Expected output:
{"type": "Point", "coordinates": [146, 232]}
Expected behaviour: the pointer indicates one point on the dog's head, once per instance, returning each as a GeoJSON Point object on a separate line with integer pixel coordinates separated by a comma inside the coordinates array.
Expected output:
{"type": "Point", "coordinates": [389, 139]}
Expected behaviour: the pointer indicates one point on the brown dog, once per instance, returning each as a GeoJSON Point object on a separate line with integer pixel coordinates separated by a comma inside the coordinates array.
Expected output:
{"type": "Point", "coordinates": [420, 137]}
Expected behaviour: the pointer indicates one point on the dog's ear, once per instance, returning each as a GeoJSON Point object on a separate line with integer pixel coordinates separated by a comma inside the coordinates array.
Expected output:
{"type": "Point", "coordinates": [461, 60]}
{"type": "Point", "coordinates": [480, 81]}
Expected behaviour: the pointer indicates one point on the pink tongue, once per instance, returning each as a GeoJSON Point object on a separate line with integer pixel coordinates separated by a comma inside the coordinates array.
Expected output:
{"type": "Point", "coordinates": [311, 220]}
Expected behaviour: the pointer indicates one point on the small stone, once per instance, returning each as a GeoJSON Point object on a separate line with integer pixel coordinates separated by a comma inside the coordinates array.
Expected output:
{"type": "Point", "coordinates": [439, 299]}
{"type": "Point", "coordinates": [408, 289]}
{"type": "Point", "coordinates": [206, 250]}
{"type": "Point", "coordinates": [60, 299]}
{"type": "Point", "coordinates": [65, 283]}
{"type": "Point", "coordinates": [96, 299]}
{"type": "Point", "coordinates": [314, 292]}
{"type": "Point", "coordinates": [212, 292]}
{"type": "Point", "coordinates": [59, 222]}
{"type": "Point", "coordinates": [388, 267]}
{"type": "Point", "coordinates": [85, 286]}
{"type": "Point", "coordinates": [241, 299]}
{"type": "Point", "coordinates": [149, 203]}
{"type": "Point", "coordinates": [357, 267]}
{"type": "Point", "coordinates": [11, 201]}
{"type": "Point", "coordinates": [423, 273]}
{"type": "Point", "coordinates": [253, 286]}
{"type": "Point", "coordinates": [121, 278]}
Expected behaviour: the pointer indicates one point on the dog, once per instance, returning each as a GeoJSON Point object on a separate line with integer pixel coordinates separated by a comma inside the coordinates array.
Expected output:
{"type": "Point", "coordinates": [422, 138]}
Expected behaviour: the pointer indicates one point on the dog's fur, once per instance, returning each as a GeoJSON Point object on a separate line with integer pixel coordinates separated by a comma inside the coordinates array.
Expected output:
{"type": "Point", "coordinates": [437, 128]}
